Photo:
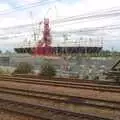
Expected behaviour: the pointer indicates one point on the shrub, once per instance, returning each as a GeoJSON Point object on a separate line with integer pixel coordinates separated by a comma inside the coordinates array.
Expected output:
{"type": "Point", "coordinates": [48, 70]}
{"type": "Point", "coordinates": [86, 77]}
{"type": "Point", "coordinates": [1, 71]}
{"type": "Point", "coordinates": [96, 78]}
{"type": "Point", "coordinates": [8, 71]}
{"type": "Point", "coordinates": [5, 71]}
{"type": "Point", "coordinates": [23, 68]}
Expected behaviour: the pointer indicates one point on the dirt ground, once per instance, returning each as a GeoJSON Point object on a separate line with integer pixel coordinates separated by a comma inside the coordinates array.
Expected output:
{"type": "Point", "coordinates": [14, 116]}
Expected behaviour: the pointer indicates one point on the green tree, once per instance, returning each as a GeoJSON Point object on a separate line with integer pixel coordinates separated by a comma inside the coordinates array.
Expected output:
{"type": "Point", "coordinates": [47, 70]}
{"type": "Point", "coordinates": [23, 68]}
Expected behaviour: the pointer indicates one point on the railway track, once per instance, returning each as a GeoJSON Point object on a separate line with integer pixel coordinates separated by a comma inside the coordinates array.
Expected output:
{"type": "Point", "coordinates": [43, 112]}
{"type": "Point", "coordinates": [76, 80]}
{"type": "Point", "coordinates": [69, 79]}
{"type": "Point", "coordinates": [57, 100]}
{"type": "Point", "coordinates": [108, 88]}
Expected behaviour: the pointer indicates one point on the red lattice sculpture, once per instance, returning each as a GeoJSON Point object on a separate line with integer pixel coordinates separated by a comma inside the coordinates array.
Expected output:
{"type": "Point", "coordinates": [44, 45]}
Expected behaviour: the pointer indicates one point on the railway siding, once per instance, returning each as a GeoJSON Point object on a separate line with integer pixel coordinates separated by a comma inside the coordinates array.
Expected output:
{"type": "Point", "coordinates": [46, 113]}
{"type": "Point", "coordinates": [88, 107]}
{"type": "Point", "coordinates": [94, 100]}
{"type": "Point", "coordinates": [10, 115]}
{"type": "Point", "coordinates": [83, 91]}
{"type": "Point", "coordinates": [110, 88]}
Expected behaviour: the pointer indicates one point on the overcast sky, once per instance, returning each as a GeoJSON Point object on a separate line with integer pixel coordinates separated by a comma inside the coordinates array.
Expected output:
{"type": "Point", "coordinates": [11, 15]}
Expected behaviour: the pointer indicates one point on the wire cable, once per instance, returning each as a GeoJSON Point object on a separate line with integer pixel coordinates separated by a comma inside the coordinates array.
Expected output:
{"type": "Point", "coordinates": [75, 18]}
{"type": "Point", "coordinates": [22, 7]}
